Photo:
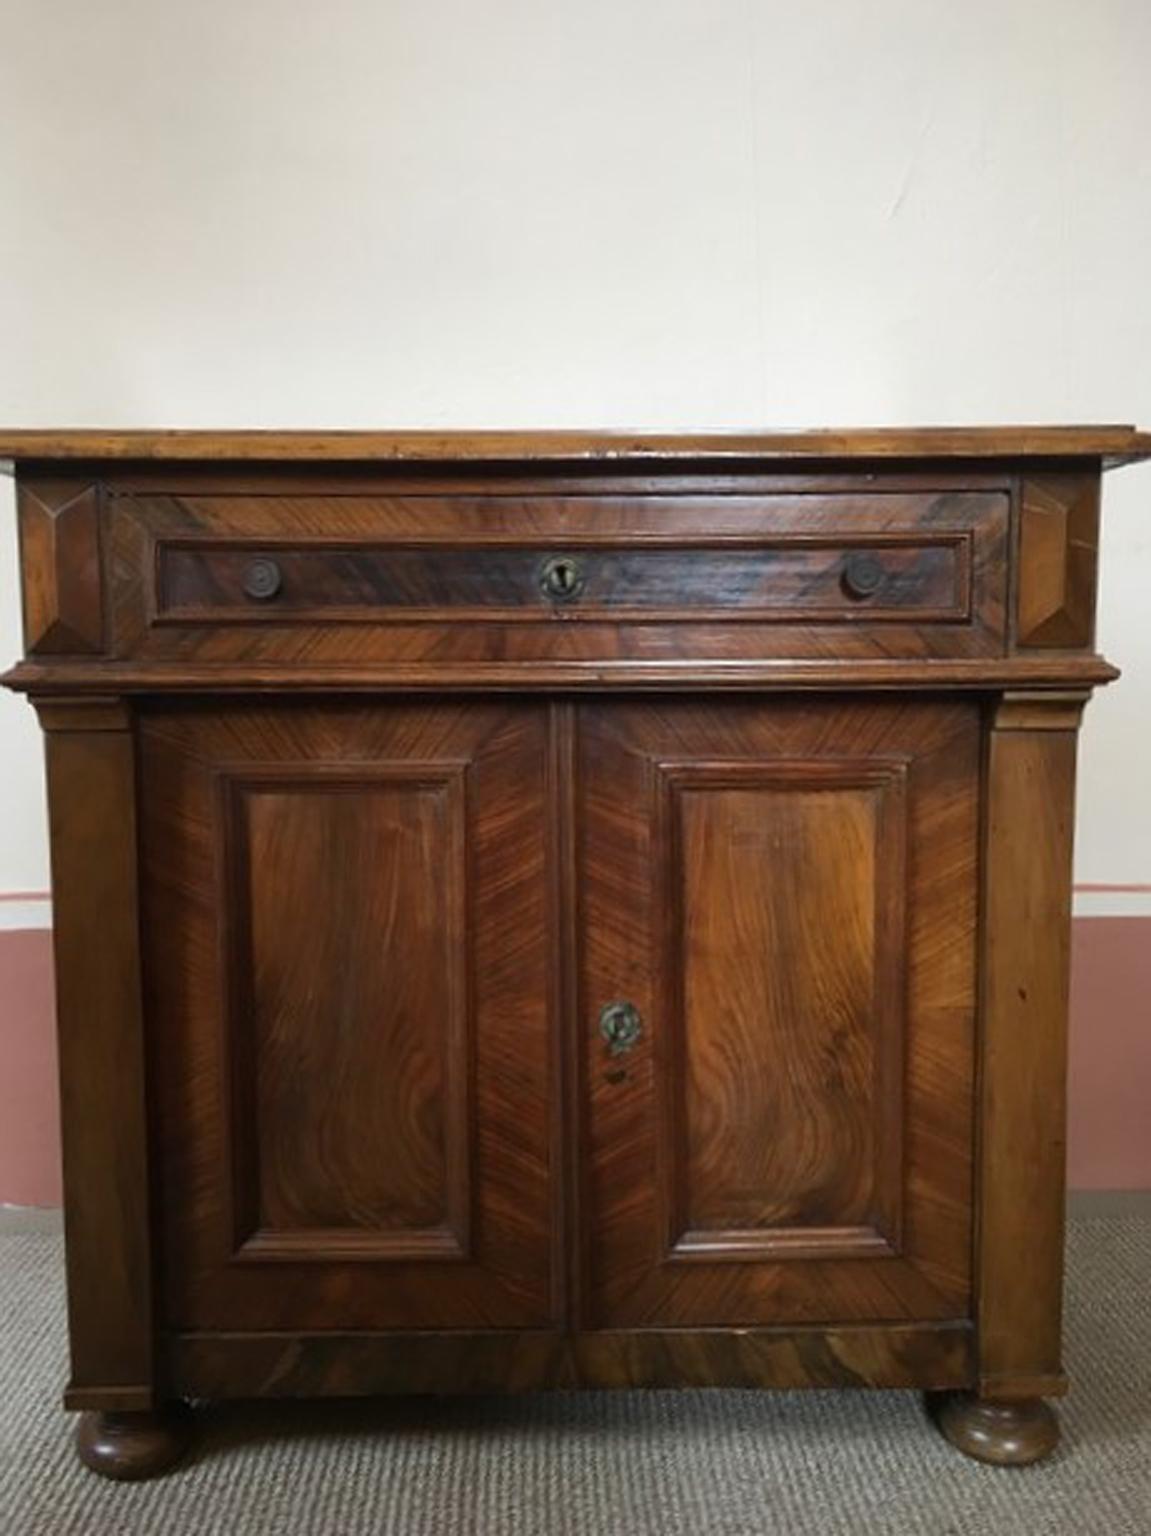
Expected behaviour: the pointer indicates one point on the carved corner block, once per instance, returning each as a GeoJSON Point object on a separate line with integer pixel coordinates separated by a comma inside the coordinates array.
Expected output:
{"type": "Point", "coordinates": [60, 547]}
{"type": "Point", "coordinates": [86, 712]}
{"type": "Point", "coordinates": [1021, 709]}
{"type": "Point", "coordinates": [1058, 559]}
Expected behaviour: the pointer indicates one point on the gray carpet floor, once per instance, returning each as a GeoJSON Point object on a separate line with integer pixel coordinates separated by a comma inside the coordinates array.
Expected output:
{"type": "Point", "coordinates": [623, 1464]}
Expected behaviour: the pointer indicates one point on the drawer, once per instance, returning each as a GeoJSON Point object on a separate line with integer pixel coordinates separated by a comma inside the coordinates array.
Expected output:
{"type": "Point", "coordinates": [506, 577]}
{"type": "Point", "coordinates": [925, 578]}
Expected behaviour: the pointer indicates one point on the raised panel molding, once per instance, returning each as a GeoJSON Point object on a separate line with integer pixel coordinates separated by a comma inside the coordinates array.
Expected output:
{"type": "Point", "coordinates": [59, 524]}
{"type": "Point", "coordinates": [1059, 552]}
{"type": "Point", "coordinates": [809, 1107]}
{"type": "Point", "coordinates": [321, 1082]}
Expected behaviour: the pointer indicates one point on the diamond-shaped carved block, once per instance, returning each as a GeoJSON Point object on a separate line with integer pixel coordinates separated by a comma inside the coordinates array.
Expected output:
{"type": "Point", "coordinates": [1058, 557]}
{"type": "Point", "coordinates": [60, 554]}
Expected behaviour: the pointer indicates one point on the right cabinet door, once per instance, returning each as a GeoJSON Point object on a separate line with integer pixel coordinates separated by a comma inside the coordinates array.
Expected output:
{"type": "Point", "coordinates": [780, 1127]}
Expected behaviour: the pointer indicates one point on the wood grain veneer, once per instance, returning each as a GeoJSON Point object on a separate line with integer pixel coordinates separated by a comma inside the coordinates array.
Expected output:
{"type": "Point", "coordinates": [770, 879]}
{"type": "Point", "coordinates": [348, 977]}
{"type": "Point", "coordinates": [473, 977]}
{"type": "Point", "coordinates": [1113, 443]}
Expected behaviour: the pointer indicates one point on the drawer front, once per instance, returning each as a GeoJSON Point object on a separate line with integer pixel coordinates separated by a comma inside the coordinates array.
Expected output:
{"type": "Point", "coordinates": [515, 577]}
{"type": "Point", "coordinates": [925, 579]}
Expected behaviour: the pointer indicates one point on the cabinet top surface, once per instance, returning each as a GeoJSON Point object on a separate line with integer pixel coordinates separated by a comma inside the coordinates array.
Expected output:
{"type": "Point", "coordinates": [1113, 445]}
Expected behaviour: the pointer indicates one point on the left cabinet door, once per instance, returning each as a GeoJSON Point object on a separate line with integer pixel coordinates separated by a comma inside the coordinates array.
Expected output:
{"type": "Point", "coordinates": [347, 914]}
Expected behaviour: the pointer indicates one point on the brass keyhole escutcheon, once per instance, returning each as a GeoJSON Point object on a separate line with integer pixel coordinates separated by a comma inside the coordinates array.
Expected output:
{"type": "Point", "coordinates": [561, 578]}
{"type": "Point", "coordinates": [621, 1026]}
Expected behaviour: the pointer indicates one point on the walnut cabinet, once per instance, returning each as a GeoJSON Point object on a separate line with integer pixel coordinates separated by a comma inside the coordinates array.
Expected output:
{"type": "Point", "coordinates": [561, 910]}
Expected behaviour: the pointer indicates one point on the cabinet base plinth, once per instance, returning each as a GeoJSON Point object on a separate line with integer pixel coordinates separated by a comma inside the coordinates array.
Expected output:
{"type": "Point", "coordinates": [999, 1431]}
{"type": "Point", "coordinates": [129, 1447]}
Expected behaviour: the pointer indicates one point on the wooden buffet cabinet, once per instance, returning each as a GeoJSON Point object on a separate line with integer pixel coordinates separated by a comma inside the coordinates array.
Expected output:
{"type": "Point", "coordinates": [555, 909]}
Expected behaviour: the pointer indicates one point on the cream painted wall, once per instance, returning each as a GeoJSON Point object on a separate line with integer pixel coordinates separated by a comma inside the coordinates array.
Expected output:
{"type": "Point", "coordinates": [669, 213]}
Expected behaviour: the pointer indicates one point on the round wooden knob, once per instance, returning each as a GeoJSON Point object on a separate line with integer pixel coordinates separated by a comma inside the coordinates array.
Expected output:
{"type": "Point", "coordinates": [862, 575]}
{"type": "Point", "coordinates": [263, 579]}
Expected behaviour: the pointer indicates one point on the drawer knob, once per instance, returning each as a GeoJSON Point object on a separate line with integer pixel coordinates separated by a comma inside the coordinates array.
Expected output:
{"type": "Point", "coordinates": [262, 579]}
{"type": "Point", "coordinates": [561, 579]}
{"type": "Point", "coordinates": [621, 1026]}
{"type": "Point", "coordinates": [862, 575]}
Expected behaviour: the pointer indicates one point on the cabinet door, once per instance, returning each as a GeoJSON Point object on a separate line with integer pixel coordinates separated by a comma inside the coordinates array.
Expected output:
{"type": "Point", "coordinates": [347, 930]}
{"type": "Point", "coordinates": [786, 893]}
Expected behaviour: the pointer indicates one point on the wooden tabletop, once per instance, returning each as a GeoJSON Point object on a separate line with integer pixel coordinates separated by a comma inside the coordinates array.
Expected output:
{"type": "Point", "coordinates": [1113, 444]}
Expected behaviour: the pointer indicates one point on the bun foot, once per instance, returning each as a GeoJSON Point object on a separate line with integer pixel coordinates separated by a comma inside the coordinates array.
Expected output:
{"type": "Point", "coordinates": [133, 1446]}
{"type": "Point", "coordinates": [1002, 1432]}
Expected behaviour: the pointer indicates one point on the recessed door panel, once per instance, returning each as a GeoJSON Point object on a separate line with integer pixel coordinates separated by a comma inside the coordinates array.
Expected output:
{"type": "Point", "coordinates": [786, 1031]}
{"type": "Point", "coordinates": [350, 1035]}
{"type": "Point", "coordinates": [785, 893]}
{"type": "Point", "coordinates": [350, 920]}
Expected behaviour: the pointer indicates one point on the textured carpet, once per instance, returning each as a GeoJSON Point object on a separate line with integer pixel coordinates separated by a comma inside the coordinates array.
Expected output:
{"type": "Point", "coordinates": [728, 1463]}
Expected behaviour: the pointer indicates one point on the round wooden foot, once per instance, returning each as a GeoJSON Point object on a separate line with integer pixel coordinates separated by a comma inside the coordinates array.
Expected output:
{"type": "Point", "coordinates": [132, 1446]}
{"type": "Point", "coordinates": [1006, 1434]}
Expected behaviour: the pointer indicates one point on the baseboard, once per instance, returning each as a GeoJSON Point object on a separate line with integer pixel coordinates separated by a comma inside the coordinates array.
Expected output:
{"type": "Point", "coordinates": [30, 1218]}
{"type": "Point", "coordinates": [1109, 1202]}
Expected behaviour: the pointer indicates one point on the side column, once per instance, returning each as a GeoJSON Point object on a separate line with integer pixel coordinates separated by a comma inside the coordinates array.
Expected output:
{"type": "Point", "coordinates": [1029, 825]}
{"type": "Point", "coordinates": [103, 1088]}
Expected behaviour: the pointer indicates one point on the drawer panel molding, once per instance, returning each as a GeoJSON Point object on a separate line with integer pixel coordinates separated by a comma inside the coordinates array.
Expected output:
{"type": "Point", "coordinates": [879, 579]}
